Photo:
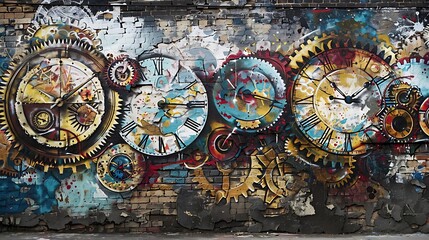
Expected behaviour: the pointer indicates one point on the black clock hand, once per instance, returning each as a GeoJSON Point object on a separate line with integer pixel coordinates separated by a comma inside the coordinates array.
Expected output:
{"type": "Point", "coordinates": [347, 99]}
{"type": "Point", "coordinates": [65, 97]}
{"type": "Point", "coordinates": [190, 104]}
{"type": "Point", "coordinates": [365, 86]}
{"type": "Point", "coordinates": [249, 93]}
{"type": "Point", "coordinates": [334, 86]}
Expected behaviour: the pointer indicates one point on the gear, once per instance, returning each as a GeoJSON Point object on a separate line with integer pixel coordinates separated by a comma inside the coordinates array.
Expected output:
{"type": "Point", "coordinates": [38, 33]}
{"type": "Point", "coordinates": [404, 95]}
{"type": "Point", "coordinates": [398, 124]}
{"type": "Point", "coordinates": [279, 179]}
{"type": "Point", "coordinates": [306, 152]}
{"type": "Point", "coordinates": [331, 41]}
{"type": "Point", "coordinates": [249, 93]}
{"type": "Point", "coordinates": [280, 62]}
{"type": "Point", "coordinates": [229, 188]}
{"type": "Point", "coordinates": [336, 175]}
{"type": "Point", "coordinates": [424, 116]}
{"type": "Point", "coordinates": [120, 168]}
{"type": "Point", "coordinates": [123, 72]}
{"type": "Point", "coordinates": [414, 46]}
{"type": "Point", "coordinates": [78, 152]}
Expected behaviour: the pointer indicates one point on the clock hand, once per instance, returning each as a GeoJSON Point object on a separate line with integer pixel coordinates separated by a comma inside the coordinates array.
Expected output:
{"type": "Point", "coordinates": [334, 86]}
{"type": "Point", "coordinates": [249, 93]}
{"type": "Point", "coordinates": [365, 86]}
{"type": "Point", "coordinates": [190, 104]}
{"type": "Point", "coordinates": [65, 97]}
{"type": "Point", "coordinates": [347, 99]}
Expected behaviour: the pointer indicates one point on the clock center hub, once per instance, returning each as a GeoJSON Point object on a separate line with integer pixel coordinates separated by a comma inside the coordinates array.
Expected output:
{"type": "Point", "coordinates": [399, 123]}
{"type": "Point", "coordinates": [336, 105]}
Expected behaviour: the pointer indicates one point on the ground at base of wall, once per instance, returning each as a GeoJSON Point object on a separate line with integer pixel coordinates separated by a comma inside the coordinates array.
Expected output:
{"type": "Point", "coordinates": [205, 235]}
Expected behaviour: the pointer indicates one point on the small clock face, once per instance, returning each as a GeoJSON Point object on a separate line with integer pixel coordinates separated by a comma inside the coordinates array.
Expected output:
{"type": "Point", "coordinates": [167, 111]}
{"type": "Point", "coordinates": [336, 98]}
{"type": "Point", "coordinates": [120, 168]}
{"type": "Point", "coordinates": [249, 93]}
{"type": "Point", "coordinates": [60, 102]}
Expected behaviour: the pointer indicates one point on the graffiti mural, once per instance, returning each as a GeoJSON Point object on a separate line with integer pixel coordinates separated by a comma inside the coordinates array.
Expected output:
{"type": "Point", "coordinates": [271, 124]}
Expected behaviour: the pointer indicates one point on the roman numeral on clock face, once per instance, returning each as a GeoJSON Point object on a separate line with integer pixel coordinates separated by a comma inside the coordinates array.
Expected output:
{"type": "Point", "coordinates": [326, 136]}
{"type": "Point", "coordinates": [193, 125]}
{"type": "Point", "coordinates": [310, 122]}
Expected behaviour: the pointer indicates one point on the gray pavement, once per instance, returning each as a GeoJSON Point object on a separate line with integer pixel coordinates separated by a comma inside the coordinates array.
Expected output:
{"type": "Point", "coordinates": [203, 235]}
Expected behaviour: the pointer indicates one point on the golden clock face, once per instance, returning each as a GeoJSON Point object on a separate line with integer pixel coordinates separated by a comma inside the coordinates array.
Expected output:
{"type": "Point", "coordinates": [61, 93]}
{"type": "Point", "coordinates": [56, 105]}
{"type": "Point", "coordinates": [336, 97]}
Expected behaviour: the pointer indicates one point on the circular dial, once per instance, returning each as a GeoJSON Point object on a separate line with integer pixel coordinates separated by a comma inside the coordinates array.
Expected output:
{"type": "Point", "coordinates": [249, 93]}
{"type": "Point", "coordinates": [167, 111]}
{"type": "Point", "coordinates": [65, 95]}
{"type": "Point", "coordinates": [56, 105]}
{"type": "Point", "coordinates": [398, 123]}
{"type": "Point", "coordinates": [424, 116]}
{"type": "Point", "coordinates": [336, 97]}
{"type": "Point", "coordinates": [120, 168]}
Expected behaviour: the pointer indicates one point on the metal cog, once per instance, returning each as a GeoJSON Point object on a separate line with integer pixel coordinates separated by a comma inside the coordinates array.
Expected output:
{"type": "Point", "coordinates": [272, 75]}
{"type": "Point", "coordinates": [336, 175]}
{"type": "Point", "coordinates": [45, 31]}
{"type": "Point", "coordinates": [404, 95]}
{"type": "Point", "coordinates": [254, 170]}
{"type": "Point", "coordinates": [332, 41]}
{"type": "Point", "coordinates": [122, 72]}
{"type": "Point", "coordinates": [398, 124]}
{"type": "Point", "coordinates": [46, 156]}
{"type": "Point", "coordinates": [414, 46]}
{"type": "Point", "coordinates": [279, 61]}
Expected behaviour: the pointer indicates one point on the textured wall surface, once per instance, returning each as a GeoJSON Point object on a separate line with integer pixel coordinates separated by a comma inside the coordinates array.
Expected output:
{"type": "Point", "coordinates": [140, 116]}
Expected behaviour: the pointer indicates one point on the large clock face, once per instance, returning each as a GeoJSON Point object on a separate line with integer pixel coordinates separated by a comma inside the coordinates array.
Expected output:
{"type": "Point", "coordinates": [337, 96]}
{"type": "Point", "coordinates": [56, 105]}
{"type": "Point", "coordinates": [167, 111]}
{"type": "Point", "coordinates": [60, 102]}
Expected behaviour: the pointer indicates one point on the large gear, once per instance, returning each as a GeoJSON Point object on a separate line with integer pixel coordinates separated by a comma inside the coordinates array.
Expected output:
{"type": "Point", "coordinates": [335, 175]}
{"type": "Point", "coordinates": [249, 93]}
{"type": "Point", "coordinates": [414, 46]}
{"type": "Point", "coordinates": [280, 178]}
{"type": "Point", "coordinates": [80, 146]}
{"type": "Point", "coordinates": [229, 189]}
{"type": "Point", "coordinates": [75, 30]}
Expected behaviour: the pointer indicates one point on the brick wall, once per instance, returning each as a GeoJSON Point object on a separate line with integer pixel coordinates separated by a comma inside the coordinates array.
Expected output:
{"type": "Point", "coordinates": [279, 178]}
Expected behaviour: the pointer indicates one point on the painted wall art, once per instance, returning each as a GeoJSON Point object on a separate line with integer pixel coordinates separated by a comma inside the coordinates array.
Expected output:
{"type": "Point", "coordinates": [276, 121]}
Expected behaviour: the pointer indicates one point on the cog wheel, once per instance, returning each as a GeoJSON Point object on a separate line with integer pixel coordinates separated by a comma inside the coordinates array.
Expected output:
{"type": "Point", "coordinates": [248, 167]}
{"type": "Point", "coordinates": [336, 175]}
{"type": "Point", "coordinates": [123, 72]}
{"type": "Point", "coordinates": [398, 124]}
{"type": "Point", "coordinates": [120, 168]}
{"type": "Point", "coordinates": [249, 93]}
{"type": "Point", "coordinates": [43, 32]}
{"type": "Point", "coordinates": [414, 46]}
{"type": "Point", "coordinates": [424, 116]}
{"type": "Point", "coordinates": [327, 42]}
{"type": "Point", "coordinates": [280, 62]}
{"type": "Point", "coordinates": [414, 71]}
{"type": "Point", "coordinates": [404, 95]}
{"type": "Point", "coordinates": [37, 111]}
{"type": "Point", "coordinates": [280, 178]}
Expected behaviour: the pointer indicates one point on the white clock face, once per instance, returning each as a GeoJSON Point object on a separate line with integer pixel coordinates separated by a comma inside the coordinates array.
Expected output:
{"type": "Point", "coordinates": [167, 111]}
